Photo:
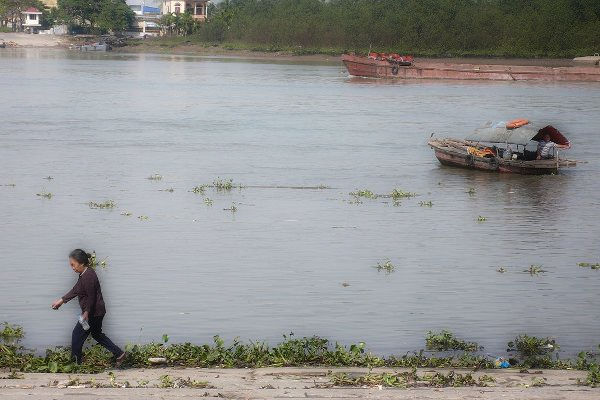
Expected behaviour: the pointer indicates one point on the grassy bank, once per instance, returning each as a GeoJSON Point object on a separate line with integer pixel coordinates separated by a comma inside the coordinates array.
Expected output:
{"type": "Point", "coordinates": [425, 28]}
{"type": "Point", "coordinates": [193, 44]}
{"type": "Point", "coordinates": [444, 350]}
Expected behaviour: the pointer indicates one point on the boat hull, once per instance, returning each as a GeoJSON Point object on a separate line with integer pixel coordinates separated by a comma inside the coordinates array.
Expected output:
{"type": "Point", "coordinates": [366, 67]}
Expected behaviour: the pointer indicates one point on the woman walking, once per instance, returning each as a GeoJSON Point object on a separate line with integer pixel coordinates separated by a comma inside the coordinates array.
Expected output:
{"type": "Point", "coordinates": [87, 290]}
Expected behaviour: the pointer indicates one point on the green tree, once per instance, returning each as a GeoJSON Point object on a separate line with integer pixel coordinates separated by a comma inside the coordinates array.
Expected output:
{"type": "Point", "coordinates": [104, 15]}
{"type": "Point", "coordinates": [115, 16]}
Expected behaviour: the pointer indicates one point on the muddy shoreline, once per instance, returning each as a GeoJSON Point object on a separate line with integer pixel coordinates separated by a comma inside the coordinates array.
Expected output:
{"type": "Point", "coordinates": [292, 383]}
{"type": "Point", "coordinates": [153, 46]}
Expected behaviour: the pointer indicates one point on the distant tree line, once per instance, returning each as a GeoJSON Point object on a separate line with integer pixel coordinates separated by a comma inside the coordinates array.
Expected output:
{"type": "Point", "coordinates": [426, 27]}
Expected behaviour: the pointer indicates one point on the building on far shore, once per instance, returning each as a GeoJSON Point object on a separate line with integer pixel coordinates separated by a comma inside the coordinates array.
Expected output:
{"type": "Point", "coordinates": [147, 14]}
{"type": "Point", "coordinates": [198, 8]}
{"type": "Point", "coordinates": [32, 20]}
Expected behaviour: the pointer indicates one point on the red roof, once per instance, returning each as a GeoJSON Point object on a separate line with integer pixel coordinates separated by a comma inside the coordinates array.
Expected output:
{"type": "Point", "coordinates": [32, 10]}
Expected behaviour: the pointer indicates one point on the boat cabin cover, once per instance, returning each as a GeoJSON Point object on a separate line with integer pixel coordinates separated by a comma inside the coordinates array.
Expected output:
{"type": "Point", "coordinates": [521, 135]}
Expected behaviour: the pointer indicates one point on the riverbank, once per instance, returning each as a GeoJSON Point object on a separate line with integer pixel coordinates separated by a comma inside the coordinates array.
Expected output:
{"type": "Point", "coordinates": [185, 47]}
{"type": "Point", "coordinates": [292, 383]}
{"type": "Point", "coordinates": [15, 39]}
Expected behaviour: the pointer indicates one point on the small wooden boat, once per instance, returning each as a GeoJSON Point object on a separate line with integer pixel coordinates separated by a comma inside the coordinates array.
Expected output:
{"type": "Point", "coordinates": [91, 47]}
{"type": "Point", "coordinates": [472, 151]}
{"type": "Point", "coordinates": [388, 68]}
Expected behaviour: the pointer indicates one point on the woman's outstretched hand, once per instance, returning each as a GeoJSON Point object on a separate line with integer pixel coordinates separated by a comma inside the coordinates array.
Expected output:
{"type": "Point", "coordinates": [85, 316]}
{"type": "Point", "coordinates": [56, 305]}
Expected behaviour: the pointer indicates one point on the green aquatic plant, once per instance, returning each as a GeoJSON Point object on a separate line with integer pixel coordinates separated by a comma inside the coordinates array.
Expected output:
{"type": "Point", "coordinates": [386, 266]}
{"type": "Point", "coordinates": [48, 178]}
{"type": "Point", "coordinates": [589, 265]}
{"type": "Point", "coordinates": [364, 193]}
{"type": "Point", "coordinates": [11, 333]}
{"type": "Point", "coordinates": [535, 270]}
{"type": "Point", "coordinates": [170, 190]}
{"type": "Point", "coordinates": [208, 201]}
{"type": "Point", "coordinates": [593, 376]}
{"type": "Point", "coordinates": [426, 203]}
{"type": "Point", "coordinates": [398, 194]}
{"type": "Point", "coordinates": [410, 379]}
{"type": "Point", "coordinates": [535, 382]}
{"type": "Point", "coordinates": [166, 382]}
{"type": "Point", "coordinates": [533, 352]}
{"type": "Point", "coordinates": [155, 177]}
{"type": "Point", "coordinates": [199, 189]}
{"type": "Point", "coordinates": [445, 340]}
{"type": "Point", "coordinates": [481, 219]}
{"type": "Point", "coordinates": [143, 218]}
{"type": "Point", "coordinates": [192, 384]}
{"type": "Point", "coordinates": [501, 270]}
{"type": "Point", "coordinates": [105, 205]}
{"type": "Point", "coordinates": [126, 214]}
{"type": "Point", "coordinates": [223, 184]}
{"type": "Point", "coordinates": [233, 208]}
{"type": "Point", "coordinates": [45, 195]}
{"type": "Point", "coordinates": [95, 262]}
{"type": "Point", "coordinates": [471, 191]}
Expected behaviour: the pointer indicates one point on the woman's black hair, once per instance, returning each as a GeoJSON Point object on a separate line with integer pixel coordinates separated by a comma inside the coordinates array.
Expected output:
{"type": "Point", "coordinates": [80, 256]}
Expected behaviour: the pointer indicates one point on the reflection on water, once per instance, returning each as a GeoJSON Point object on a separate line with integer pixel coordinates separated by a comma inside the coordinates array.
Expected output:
{"type": "Point", "coordinates": [101, 124]}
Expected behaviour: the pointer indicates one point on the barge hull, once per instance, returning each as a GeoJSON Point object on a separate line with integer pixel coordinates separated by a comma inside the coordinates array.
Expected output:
{"type": "Point", "coordinates": [366, 67]}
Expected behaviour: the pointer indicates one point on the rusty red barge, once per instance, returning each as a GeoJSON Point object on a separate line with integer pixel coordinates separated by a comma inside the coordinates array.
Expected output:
{"type": "Point", "coordinates": [393, 66]}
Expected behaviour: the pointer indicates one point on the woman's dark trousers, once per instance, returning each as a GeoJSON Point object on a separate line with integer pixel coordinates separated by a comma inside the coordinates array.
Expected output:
{"type": "Point", "coordinates": [79, 336]}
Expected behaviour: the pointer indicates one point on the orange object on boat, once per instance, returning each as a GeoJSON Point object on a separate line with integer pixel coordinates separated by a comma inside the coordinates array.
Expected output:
{"type": "Point", "coordinates": [487, 152]}
{"type": "Point", "coordinates": [516, 123]}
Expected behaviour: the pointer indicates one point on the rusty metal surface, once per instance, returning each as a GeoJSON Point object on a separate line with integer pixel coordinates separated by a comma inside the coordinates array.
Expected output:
{"type": "Point", "coordinates": [365, 67]}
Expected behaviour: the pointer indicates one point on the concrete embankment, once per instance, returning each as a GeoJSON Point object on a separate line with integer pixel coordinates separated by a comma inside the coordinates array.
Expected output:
{"type": "Point", "coordinates": [284, 383]}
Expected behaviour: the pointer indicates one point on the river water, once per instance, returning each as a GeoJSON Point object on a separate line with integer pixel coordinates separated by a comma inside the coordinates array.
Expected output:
{"type": "Point", "coordinates": [289, 259]}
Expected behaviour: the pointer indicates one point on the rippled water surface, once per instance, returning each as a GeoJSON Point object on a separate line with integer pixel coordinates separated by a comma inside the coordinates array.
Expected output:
{"type": "Point", "coordinates": [101, 124]}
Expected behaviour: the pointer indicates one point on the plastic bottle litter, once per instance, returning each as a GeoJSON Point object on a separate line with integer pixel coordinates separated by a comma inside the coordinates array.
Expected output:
{"type": "Point", "coordinates": [501, 362]}
{"type": "Point", "coordinates": [84, 324]}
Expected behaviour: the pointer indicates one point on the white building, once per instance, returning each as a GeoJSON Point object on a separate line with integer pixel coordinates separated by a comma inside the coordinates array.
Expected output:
{"type": "Point", "coordinates": [197, 8]}
{"type": "Point", "coordinates": [147, 13]}
{"type": "Point", "coordinates": [33, 20]}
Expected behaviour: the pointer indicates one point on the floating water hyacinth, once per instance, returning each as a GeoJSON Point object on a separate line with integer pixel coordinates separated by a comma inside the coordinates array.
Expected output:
{"type": "Point", "coordinates": [535, 269]}
{"type": "Point", "coordinates": [199, 189]}
{"type": "Point", "coordinates": [108, 204]}
{"type": "Point", "coordinates": [155, 177]}
{"type": "Point", "coordinates": [365, 193]}
{"type": "Point", "coordinates": [386, 266]}
{"type": "Point", "coordinates": [589, 265]}
{"type": "Point", "coordinates": [45, 195]}
{"type": "Point", "coordinates": [233, 208]}
{"type": "Point", "coordinates": [398, 194]}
